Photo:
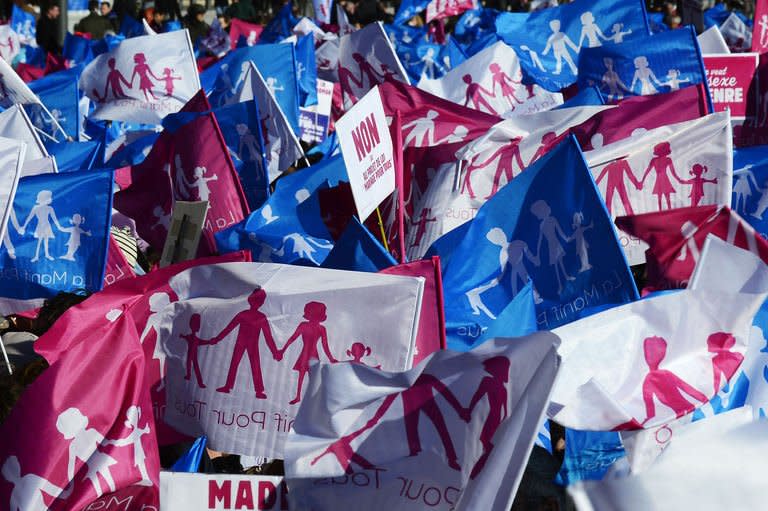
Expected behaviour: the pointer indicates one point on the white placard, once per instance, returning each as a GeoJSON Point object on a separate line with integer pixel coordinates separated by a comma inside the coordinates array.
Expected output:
{"type": "Point", "coordinates": [183, 491]}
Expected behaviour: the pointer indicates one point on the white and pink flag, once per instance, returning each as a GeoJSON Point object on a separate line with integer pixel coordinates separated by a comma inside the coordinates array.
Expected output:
{"type": "Point", "coordinates": [439, 9]}
{"type": "Point", "coordinates": [143, 79]}
{"type": "Point", "coordinates": [679, 165]}
{"type": "Point", "coordinates": [11, 160]}
{"type": "Point", "coordinates": [366, 59]}
{"type": "Point", "coordinates": [491, 81]}
{"type": "Point", "coordinates": [459, 187]}
{"type": "Point", "coordinates": [644, 364]}
{"type": "Point", "coordinates": [10, 44]}
{"type": "Point", "coordinates": [453, 433]}
{"type": "Point", "coordinates": [83, 435]}
{"type": "Point", "coordinates": [15, 124]}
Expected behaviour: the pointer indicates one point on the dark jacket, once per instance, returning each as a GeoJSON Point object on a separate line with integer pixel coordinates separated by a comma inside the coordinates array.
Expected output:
{"type": "Point", "coordinates": [242, 10]}
{"type": "Point", "coordinates": [94, 24]}
{"type": "Point", "coordinates": [197, 29]}
{"type": "Point", "coordinates": [47, 35]}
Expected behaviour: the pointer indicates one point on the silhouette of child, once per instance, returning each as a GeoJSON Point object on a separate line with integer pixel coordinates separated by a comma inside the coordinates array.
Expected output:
{"type": "Point", "coordinates": [168, 78]}
{"type": "Point", "coordinates": [44, 213]}
{"type": "Point", "coordinates": [193, 343]}
{"type": "Point", "coordinates": [73, 243]}
{"type": "Point", "coordinates": [725, 362]}
{"type": "Point", "coordinates": [359, 350]}
{"type": "Point", "coordinates": [697, 183]}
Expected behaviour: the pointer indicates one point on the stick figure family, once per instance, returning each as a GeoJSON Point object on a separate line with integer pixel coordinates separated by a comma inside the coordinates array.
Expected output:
{"type": "Point", "coordinates": [612, 83]}
{"type": "Point", "coordinates": [420, 398]}
{"type": "Point", "coordinates": [742, 191]}
{"type": "Point", "coordinates": [513, 253]}
{"type": "Point", "coordinates": [368, 72]}
{"type": "Point", "coordinates": [477, 96]}
{"type": "Point", "coordinates": [43, 214]}
{"type": "Point", "coordinates": [668, 388]}
{"type": "Point", "coordinates": [85, 445]}
{"type": "Point", "coordinates": [251, 324]}
{"type": "Point", "coordinates": [618, 170]}
{"type": "Point", "coordinates": [115, 80]}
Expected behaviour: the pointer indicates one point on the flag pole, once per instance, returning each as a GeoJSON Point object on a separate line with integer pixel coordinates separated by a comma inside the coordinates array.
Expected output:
{"type": "Point", "coordinates": [381, 226]}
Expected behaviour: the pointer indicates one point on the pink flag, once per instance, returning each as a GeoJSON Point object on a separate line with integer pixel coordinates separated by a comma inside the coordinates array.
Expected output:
{"type": "Point", "coordinates": [191, 163]}
{"type": "Point", "coordinates": [83, 433]}
{"type": "Point", "coordinates": [677, 237]}
{"type": "Point", "coordinates": [431, 334]}
{"type": "Point", "coordinates": [439, 9]}
{"type": "Point", "coordinates": [428, 120]}
{"type": "Point", "coordinates": [95, 316]}
{"type": "Point", "coordinates": [641, 113]}
{"type": "Point", "coordinates": [760, 27]}
{"type": "Point", "coordinates": [239, 28]}
{"type": "Point", "coordinates": [117, 266]}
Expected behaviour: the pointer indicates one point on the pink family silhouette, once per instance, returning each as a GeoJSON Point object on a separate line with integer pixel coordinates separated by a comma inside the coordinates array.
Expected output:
{"type": "Point", "coordinates": [617, 171]}
{"type": "Point", "coordinates": [480, 97]}
{"type": "Point", "coordinates": [115, 80]}
{"type": "Point", "coordinates": [421, 398]}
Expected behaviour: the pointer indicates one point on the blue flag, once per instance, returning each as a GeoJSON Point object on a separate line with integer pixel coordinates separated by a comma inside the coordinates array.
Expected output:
{"type": "Point", "coordinates": [306, 70]}
{"type": "Point", "coordinates": [190, 460]}
{"type": "Point", "coordinates": [276, 63]}
{"type": "Point", "coordinates": [241, 128]}
{"type": "Point", "coordinates": [58, 235]}
{"type": "Point", "coordinates": [77, 49]}
{"type": "Point", "coordinates": [549, 41]}
{"type": "Point", "coordinates": [548, 225]}
{"type": "Point", "coordinates": [132, 153]}
{"type": "Point", "coordinates": [73, 156]}
{"type": "Point", "coordinates": [60, 95]}
{"type": "Point", "coordinates": [588, 455]}
{"type": "Point", "coordinates": [408, 9]}
{"type": "Point", "coordinates": [280, 27]}
{"type": "Point", "coordinates": [108, 43]}
{"type": "Point", "coordinates": [750, 186]}
{"type": "Point", "coordinates": [24, 24]}
{"type": "Point", "coordinates": [647, 65]}
{"type": "Point", "coordinates": [474, 24]}
{"type": "Point", "coordinates": [358, 250]}
{"type": "Point", "coordinates": [516, 320]}
{"type": "Point", "coordinates": [288, 228]}
{"type": "Point", "coordinates": [131, 27]}
{"type": "Point", "coordinates": [452, 55]}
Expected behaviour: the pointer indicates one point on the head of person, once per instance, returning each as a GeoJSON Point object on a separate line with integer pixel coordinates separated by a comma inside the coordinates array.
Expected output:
{"type": "Point", "coordinates": [93, 6]}
{"type": "Point", "coordinates": [105, 8]}
{"type": "Point", "coordinates": [52, 11]}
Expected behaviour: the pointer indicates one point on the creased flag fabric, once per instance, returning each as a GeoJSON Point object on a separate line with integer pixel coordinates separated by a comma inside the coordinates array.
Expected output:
{"type": "Point", "coordinates": [549, 42]}
{"type": "Point", "coordinates": [541, 227]}
{"type": "Point", "coordinates": [362, 423]}
{"type": "Point", "coordinates": [146, 78]}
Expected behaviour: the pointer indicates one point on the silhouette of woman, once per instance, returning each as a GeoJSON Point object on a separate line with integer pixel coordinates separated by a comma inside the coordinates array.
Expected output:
{"type": "Point", "coordinates": [143, 70]}
{"type": "Point", "coordinates": [550, 229]}
{"type": "Point", "coordinates": [659, 163]}
{"type": "Point", "coordinates": [310, 331]}
{"type": "Point", "coordinates": [505, 83]}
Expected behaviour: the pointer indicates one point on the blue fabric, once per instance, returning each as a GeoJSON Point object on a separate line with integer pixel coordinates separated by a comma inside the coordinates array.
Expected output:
{"type": "Point", "coordinates": [516, 320]}
{"type": "Point", "coordinates": [545, 225]}
{"type": "Point", "coordinates": [72, 156]}
{"type": "Point", "coordinates": [73, 223]}
{"type": "Point", "coordinates": [23, 23]}
{"type": "Point", "coordinates": [306, 70]}
{"type": "Point", "coordinates": [408, 9]}
{"type": "Point", "coordinates": [77, 49]}
{"type": "Point", "coordinates": [60, 95]}
{"type": "Point", "coordinates": [674, 51]}
{"type": "Point", "coordinates": [474, 24]}
{"type": "Point", "coordinates": [532, 36]}
{"type": "Point", "coordinates": [750, 186]}
{"type": "Point", "coordinates": [131, 27]}
{"type": "Point", "coordinates": [588, 455]}
{"type": "Point", "coordinates": [190, 460]}
{"type": "Point", "coordinates": [358, 250]}
{"type": "Point", "coordinates": [280, 27]}
{"type": "Point", "coordinates": [586, 97]}
{"type": "Point", "coordinates": [288, 228]}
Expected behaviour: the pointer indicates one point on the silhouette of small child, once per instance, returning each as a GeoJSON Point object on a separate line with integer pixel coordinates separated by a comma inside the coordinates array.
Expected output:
{"type": "Point", "coordinates": [73, 243]}
{"type": "Point", "coordinates": [193, 343]}
{"type": "Point", "coordinates": [359, 350]}
{"type": "Point", "coordinates": [168, 78]}
{"type": "Point", "coordinates": [697, 183]}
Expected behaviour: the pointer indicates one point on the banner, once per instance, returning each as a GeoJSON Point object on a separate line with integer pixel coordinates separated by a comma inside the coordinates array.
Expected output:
{"type": "Point", "coordinates": [315, 120]}
{"type": "Point", "coordinates": [732, 81]}
{"type": "Point", "coordinates": [368, 153]}
{"type": "Point", "coordinates": [180, 491]}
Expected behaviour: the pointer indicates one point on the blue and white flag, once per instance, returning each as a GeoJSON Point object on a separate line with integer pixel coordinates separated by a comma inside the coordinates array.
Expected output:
{"type": "Point", "coordinates": [143, 79]}
{"type": "Point", "coordinates": [241, 128]}
{"type": "Point", "coordinates": [288, 228]}
{"type": "Point", "coordinates": [73, 156]}
{"type": "Point", "coordinates": [24, 24]}
{"type": "Point", "coordinates": [131, 27]}
{"type": "Point", "coordinates": [549, 225]}
{"type": "Point", "coordinates": [11, 160]}
{"type": "Point", "coordinates": [323, 10]}
{"type": "Point", "coordinates": [280, 143]}
{"type": "Point", "coordinates": [77, 50]}
{"type": "Point", "coordinates": [59, 93]}
{"type": "Point", "coordinates": [59, 241]}
{"type": "Point", "coordinates": [750, 186]}
{"type": "Point", "coordinates": [276, 63]}
{"type": "Point", "coordinates": [475, 24]}
{"type": "Point", "coordinates": [10, 43]}
{"type": "Point", "coordinates": [590, 96]}
{"type": "Point", "coordinates": [408, 9]}
{"type": "Point", "coordinates": [647, 65]}
{"type": "Point", "coordinates": [15, 124]}
{"type": "Point", "coordinates": [549, 42]}
{"type": "Point", "coordinates": [358, 250]}
{"type": "Point", "coordinates": [306, 70]}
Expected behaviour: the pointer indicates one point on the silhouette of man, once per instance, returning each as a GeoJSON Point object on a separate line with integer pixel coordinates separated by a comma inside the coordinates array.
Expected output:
{"type": "Point", "coordinates": [252, 323]}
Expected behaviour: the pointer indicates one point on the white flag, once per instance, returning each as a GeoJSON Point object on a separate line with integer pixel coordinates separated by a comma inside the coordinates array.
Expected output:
{"type": "Point", "coordinates": [15, 124]}
{"type": "Point", "coordinates": [737, 34]}
{"type": "Point", "coordinates": [280, 143]}
{"type": "Point", "coordinates": [453, 433]}
{"type": "Point", "coordinates": [143, 79]}
{"type": "Point", "coordinates": [279, 318]}
{"type": "Point", "coordinates": [712, 465]}
{"type": "Point", "coordinates": [9, 43]}
{"type": "Point", "coordinates": [366, 59]}
{"type": "Point", "coordinates": [489, 162]}
{"type": "Point", "coordinates": [647, 363]}
{"type": "Point", "coordinates": [490, 81]}
{"type": "Point", "coordinates": [685, 164]}
{"type": "Point", "coordinates": [711, 41]}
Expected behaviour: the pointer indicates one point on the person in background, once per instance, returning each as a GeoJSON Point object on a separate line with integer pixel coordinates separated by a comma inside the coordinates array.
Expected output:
{"type": "Point", "coordinates": [48, 28]}
{"type": "Point", "coordinates": [170, 8]}
{"type": "Point", "coordinates": [94, 24]}
{"type": "Point", "coordinates": [243, 10]}
{"type": "Point", "coordinates": [106, 11]}
{"type": "Point", "coordinates": [195, 23]}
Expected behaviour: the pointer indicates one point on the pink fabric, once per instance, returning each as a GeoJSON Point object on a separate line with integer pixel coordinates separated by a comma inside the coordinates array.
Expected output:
{"type": "Point", "coordinates": [239, 28]}
{"type": "Point", "coordinates": [117, 267]}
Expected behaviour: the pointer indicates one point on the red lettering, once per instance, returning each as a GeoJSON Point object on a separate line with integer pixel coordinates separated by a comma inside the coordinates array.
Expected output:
{"type": "Point", "coordinates": [356, 139]}
{"type": "Point", "coordinates": [373, 131]}
{"type": "Point", "coordinates": [244, 495]}
{"type": "Point", "coordinates": [216, 493]}
{"type": "Point", "coordinates": [267, 495]}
